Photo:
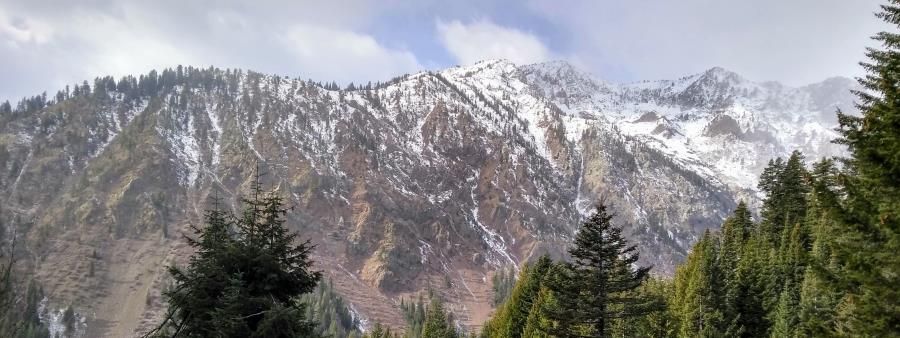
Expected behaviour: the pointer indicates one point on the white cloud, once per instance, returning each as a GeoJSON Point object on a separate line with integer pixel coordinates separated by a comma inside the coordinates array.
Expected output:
{"type": "Point", "coordinates": [116, 47]}
{"type": "Point", "coordinates": [47, 45]}
{"type": "Point", "coordinates": [335, 54]}
{"type": "Point", "coordinates": [20, 30]}
{"type": "Point", "coordinates": [796, 42]}
{"type": "Point", "coordinates": [483, 39]}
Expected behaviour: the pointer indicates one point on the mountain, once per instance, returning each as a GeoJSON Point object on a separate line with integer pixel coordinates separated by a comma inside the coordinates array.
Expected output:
{"type": "Point", "coordinates": [430, 181]}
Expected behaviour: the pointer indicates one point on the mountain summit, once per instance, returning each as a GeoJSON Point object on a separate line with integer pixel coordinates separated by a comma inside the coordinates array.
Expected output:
{"type": "Point", "coordinates": [429, 181]}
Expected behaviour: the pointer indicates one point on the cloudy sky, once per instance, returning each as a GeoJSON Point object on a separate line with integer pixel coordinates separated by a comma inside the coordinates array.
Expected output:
{"type": "Point", "coordinates": [48, 44]}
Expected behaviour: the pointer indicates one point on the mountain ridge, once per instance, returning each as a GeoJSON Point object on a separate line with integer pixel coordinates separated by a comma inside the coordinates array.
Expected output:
{"type": "Point", "coordinates": [430, 181]}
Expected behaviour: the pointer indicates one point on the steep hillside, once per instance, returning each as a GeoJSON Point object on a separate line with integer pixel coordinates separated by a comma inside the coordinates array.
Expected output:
{"type": "Point", "coordinates": [429, 181]}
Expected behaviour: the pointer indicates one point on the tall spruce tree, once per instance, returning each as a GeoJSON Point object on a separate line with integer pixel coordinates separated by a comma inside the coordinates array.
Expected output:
{"type": "Point", "coordinates": [698, 285]}
{"type": "Point", "coordinates": [245, 278]}
{"type": "Point", "coordinates": [785, 186]}
{"type": "Point", "coordinates": [869, 214]}
{"type": "Point", "coordinates": [818, 297]}
{"type": "Point", "coordinates": [537, 324]}
{"type": "Point", "coordinates": [735, 232]}
{"type": "Point", "coordinates": [659, 324]}
{"type": "Point", "coordinates": [594, 290]}
{"type": "Point", "coordinates": [511, 316]}
{"type": "Point", "coordinates": [437, 323]}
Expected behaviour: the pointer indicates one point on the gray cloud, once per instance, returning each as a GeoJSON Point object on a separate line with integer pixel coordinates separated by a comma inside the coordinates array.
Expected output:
{"type": "Point", "coordinates": [47, 44]}
{"type": "Point", "coordinates": [795, 41]}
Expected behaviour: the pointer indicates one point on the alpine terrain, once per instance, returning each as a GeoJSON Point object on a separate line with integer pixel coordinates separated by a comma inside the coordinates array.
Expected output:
{"type": "Point", "coordinates": [429, 181]}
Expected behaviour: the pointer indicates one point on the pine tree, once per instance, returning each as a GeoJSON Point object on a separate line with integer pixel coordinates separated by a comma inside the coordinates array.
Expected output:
{"type": "Point", "coordinates": [749, 283]}
{"type": "Point", "coordinates": [328, 309]}
{"type": "Point", "coordinates": [503, 282]}
{"type": "Point", "coordinates": [698, 286]}
{"type": "Point", "coordinates": [593, 290]}
{"type": "Point", "coordinates": [735, 232]}
{"type": "Point", "coordinates": [538, 323]}
{"type": "Point", "coordinates": [869, 214]}
{"type": "Point", "coordinates": [785, 319]}
{"type": "Point", "coordinates": [818, 297]}
{"type": "Point", "coordinates": [510, 318]}
{"type": "Point", "coordinates": [377, 331]}
{"type": "Point", "coordinates": [657, 324]}
{"type": "Point", "coordinates": [437, 323]}
{"type": "Point", "coordinates": [245, 278]}
{"type": "Point", "coordinates": [786, 187]}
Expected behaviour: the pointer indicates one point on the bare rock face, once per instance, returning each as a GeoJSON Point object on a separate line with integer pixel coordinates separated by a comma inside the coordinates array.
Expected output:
{"type": "Point", "coordinates": [723, 125]}
{"type": "Point", "coordinates": [429, 181]}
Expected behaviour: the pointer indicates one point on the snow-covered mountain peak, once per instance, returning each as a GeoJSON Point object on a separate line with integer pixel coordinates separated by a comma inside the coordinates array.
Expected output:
{"type": "Point", "coordinates": [716, 122]}
{"type": "Point", "coordinates": [720, 74]}
{"type": "Point", "coordinates": [490, 67]}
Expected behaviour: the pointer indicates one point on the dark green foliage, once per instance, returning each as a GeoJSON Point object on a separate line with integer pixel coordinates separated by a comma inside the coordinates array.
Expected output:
{"type": "Point", "coordinates": [18, 311]}
{"type": "Point", "coordinates": [537, 323]}
{"type": "Point", "coordinates": [328, 310]}
{"type": "Point", "coordinates": [785, 186]}
{"type": "Point", "coordinates": [818, 297]}
{"type": "Point", "coordinates": [698, 304]}
{"type": "Point", "coordinates": [502, 284]}
{"type": "Point", "coordinates": [69, 319]}
{"type": "Point", "coordinates": [867, 227]}
{"type": "Point", "coordinates": [245, 278]}
{"type": "Point", "coordinates": [379, 331]}
{"type": "Point", "coordinates": [414, 313]}
{"type": "Point", "coordinates": [21, 318]}
{"type": "Point", "coordinates": [511, 316]}
{"type": "Point", "coordinates": [745, 281]}
{"type": "Point", "coordinates": [598, 294]}
{"type": "Point", "coordinates": [655, 324]}
{"type": "Point", "coordinates": [596, 288]}
{"type": "Point", "coordinates": [429, 320]}
{"type": "Point", "coordinates": [438, 324]}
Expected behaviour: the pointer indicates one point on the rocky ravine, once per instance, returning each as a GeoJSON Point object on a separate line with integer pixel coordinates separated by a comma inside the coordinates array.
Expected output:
{"type": "Point", "coordinates": [429, 181]}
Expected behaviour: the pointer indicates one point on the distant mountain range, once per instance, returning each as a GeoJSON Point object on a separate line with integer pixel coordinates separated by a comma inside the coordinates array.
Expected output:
{"type": "Point", "coordinates": [429, 181]}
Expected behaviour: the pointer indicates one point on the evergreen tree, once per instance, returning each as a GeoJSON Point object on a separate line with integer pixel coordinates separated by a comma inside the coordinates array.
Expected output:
{"type": "Point", "coordinates": [593, 290]}
{"type": "Point", "coordinates": [414, 313]}
{"type": "Point", "coordinates": [656, 324]}
{"type": "Point", "coordinates": [537, 324]}
{"type": "Point", "coordinates": [698, 291]}
{"type": "Point", "coordinates": [437, 323]}
{"type": "Point", "coordinates": [246, 277]}
{"type": "Point", "coordinates": [785, 319]}
{"type": "Point", "coordinates": [378, 331]}
{"type": "Point", "coordinates": [869, 214]}
{"type": "Point", "coordinates": [786, 187]}
{"type": "Point", "coordinates": [328, 310]}
{"type": "Point", "coordinates": [735, 232]}
{"type": "Point", "coordinates": [818, 298]}
{"type": "Point", "coordinates": [502, 284]}
{"type": "Point", "coordinates": [751, 280]}
{"type": "Point", "coordinates": [510, 318]}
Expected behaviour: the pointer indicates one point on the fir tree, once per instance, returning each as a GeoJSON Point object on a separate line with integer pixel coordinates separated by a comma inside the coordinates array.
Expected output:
{"type": "Point", "coordinates": [786, 187]}
{"type": "Point", "coordinates": [818, 297]}
{"type": "Point", "coordinates": [785, 319]}
{"type": "Point", "coordinates": [735, 232]}
{"type": "Point", "coordinates": [246, 277]}
{"type": "Point", "coordinates": [751, 280]}
{"type": "Point", "coordinates": [593, 290]}
{"type": "Point", "coordinates": [869, 214]}
{"type": "Point", "coordinates": [698, 291]}
{"type": "Point", "coordinates": [510, 318]}
{"type": "Point", "coordinates": [537, 324]}
{"type": "Point", "coordinates": [437, 323]}
{"type": "Point", "coordinates": [656, 324]}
